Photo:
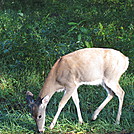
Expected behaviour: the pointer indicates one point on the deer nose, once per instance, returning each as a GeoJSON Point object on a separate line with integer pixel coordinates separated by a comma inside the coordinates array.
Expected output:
{"type": "Point", "coordinates": [40, 132]}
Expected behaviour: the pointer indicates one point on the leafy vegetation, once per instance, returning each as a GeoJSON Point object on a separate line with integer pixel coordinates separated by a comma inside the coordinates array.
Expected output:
{"type": "Point", "coordinates": [35, 33]}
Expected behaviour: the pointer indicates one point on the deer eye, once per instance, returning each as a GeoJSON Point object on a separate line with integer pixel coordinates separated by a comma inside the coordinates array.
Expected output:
{"type": "Point", "coordinates": [39, 116]}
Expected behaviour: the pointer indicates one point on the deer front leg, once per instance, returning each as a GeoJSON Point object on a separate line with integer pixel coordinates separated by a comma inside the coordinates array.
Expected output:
{"type": "Point", "coordinates": [76, 102]}
{"type": "Point", "coordinates": [62, 103]}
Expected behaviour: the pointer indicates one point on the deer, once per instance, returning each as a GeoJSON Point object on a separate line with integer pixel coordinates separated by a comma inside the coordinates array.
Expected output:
{"type": "Point", "coordinates": [89, 66]}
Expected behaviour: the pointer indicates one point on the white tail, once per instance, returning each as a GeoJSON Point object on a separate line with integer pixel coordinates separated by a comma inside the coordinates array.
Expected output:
{"type": "Point", "coordinates": [91, 66]}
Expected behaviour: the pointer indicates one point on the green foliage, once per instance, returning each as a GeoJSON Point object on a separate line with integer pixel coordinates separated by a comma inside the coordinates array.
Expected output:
{"type": "Point", "coordinates": [35, 33]}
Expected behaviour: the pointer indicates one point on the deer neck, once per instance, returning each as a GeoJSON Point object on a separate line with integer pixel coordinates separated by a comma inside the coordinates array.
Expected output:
{"type": "Point", "coordinates": [49, 86]}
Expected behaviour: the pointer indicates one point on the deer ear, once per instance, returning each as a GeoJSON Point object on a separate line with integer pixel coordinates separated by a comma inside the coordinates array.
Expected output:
{"type": "Point", "coordinates": [45, 100]}
{"type": "Point", "coordinates": [29, 97]}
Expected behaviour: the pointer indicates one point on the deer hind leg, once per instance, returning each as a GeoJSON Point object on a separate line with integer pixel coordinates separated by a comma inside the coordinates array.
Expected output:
{"type": "Point", "coordinates": [115, 87]}
{"type": "Point", "coordinates": [120, 93]}
{"type": "Point", "coordinates": [76, 102]}
{"type": "Point", "coordinates": [109, 97]}
{"type": "Point", "coordinates": [64, 100]}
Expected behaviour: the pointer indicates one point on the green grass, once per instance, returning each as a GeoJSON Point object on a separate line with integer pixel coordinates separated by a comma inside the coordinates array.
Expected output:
{"type": "Point", "coordinates": [14, 116]}
{"type": "Point", "coordinates": [35, 33]}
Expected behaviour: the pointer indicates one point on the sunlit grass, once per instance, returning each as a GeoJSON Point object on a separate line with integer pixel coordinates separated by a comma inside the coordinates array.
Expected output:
{"type": "Point", "coordinates": [14, 118]}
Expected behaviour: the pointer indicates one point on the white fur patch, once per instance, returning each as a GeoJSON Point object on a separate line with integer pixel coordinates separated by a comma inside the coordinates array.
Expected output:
{"type": "Point", "coordinates": [96, 82]}
{"type": "Point", "coordinates": [60, 90]}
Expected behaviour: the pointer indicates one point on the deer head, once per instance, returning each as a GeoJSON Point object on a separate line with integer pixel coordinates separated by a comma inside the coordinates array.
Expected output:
{"type": "Point", "coordinates": [37, 110]}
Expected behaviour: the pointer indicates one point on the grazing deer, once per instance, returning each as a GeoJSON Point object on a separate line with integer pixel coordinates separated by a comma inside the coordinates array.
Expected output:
{"type": "Point", "coordinates": [90, 66]}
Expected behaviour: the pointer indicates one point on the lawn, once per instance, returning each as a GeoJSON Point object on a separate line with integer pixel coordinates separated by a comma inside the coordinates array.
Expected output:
{"type": "Point", "coordinates": [35, 33]}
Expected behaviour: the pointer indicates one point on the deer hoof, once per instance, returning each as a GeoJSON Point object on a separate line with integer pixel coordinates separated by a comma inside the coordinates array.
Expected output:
{"type": "Point", "coordinates": [52, 126]}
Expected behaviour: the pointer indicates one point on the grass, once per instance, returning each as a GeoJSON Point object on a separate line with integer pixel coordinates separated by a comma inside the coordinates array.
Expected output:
{"type": "Point", "coordinates": [14, 116]}
{"type": "Point", "coordinates": [34, 34]}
